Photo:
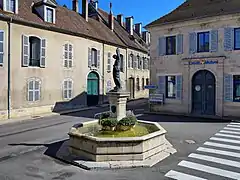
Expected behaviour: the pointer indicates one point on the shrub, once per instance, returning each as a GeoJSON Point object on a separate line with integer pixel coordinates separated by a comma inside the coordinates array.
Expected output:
{"type": "Point", "coordinates": [111, 122]}
{"type": "Point", "coordinates": [128, 121]}
{"type": "Point", "coordinates": [105, 115]}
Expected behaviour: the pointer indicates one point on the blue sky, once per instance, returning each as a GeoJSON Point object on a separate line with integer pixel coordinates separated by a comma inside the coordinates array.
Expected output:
{"type": "Point", "coordinates": [142, 12]}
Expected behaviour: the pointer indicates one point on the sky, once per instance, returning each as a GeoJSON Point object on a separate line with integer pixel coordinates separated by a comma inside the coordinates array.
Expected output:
{"type": "Point", "coordinates": [142, 12]}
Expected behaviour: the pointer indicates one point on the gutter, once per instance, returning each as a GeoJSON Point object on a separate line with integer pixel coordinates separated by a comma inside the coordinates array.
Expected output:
{"type": "Point", "coordinates": [9, 68]}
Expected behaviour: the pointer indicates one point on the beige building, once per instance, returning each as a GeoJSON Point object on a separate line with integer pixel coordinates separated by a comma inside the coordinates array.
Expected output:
{"type": "Point", "coordinates": [195, 59]}
{"type": "Point", "coordinates": [53, 58]}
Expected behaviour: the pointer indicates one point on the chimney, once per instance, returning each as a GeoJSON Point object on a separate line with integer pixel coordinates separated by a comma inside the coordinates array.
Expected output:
{"type": "Point", "coordinates": [120, 19]}
{"type": "Point", "coordinates": [75, 5]}
{"type": "Point", "coordinates": [111, 18]}
{"type": "Point", "coordinates": [129, 25]}
{"type": "Point", "coordinates": [138, 29]}
{"type": "Point", "coordinates": [85, 9]}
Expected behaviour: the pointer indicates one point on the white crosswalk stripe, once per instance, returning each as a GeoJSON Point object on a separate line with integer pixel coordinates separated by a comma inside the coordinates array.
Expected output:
{"type": "Point", "coordinates": [217, 157]}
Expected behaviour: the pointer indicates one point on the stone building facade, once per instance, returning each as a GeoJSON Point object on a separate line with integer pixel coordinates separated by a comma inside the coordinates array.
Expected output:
{"type": "Point", "coordinates": [195, 59]}
{"type": "Point", "coordinates": [53, 58]}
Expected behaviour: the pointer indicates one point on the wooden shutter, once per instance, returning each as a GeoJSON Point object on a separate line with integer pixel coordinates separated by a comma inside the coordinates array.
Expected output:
{"type": "Point", "coordinates": [228, 39]}
{"type": "Point", "coordinates": [134, 62]}
{"type": "Point", "coordinates": [192, 43]}
{"type": "Point", "coordinates": [65, 55]}
{"type": "Point", "coordinates": [25, 50]}
{"type": "Point", "coordinates": [2, 46]}
{"type": "Point", "coordinates": [129, 60]}
{"type": "Point", "coordinates": [162, 84]}
{"type": "Point", "coordinates": [214, 41]}
{"type": "Point", "coordinates": [162, 46]}
{"type": "Point", "coordinates": [109, 62]}
{"type": "Point", "coordinates": [228, 87]}
{"type": "Point", "coordinates": [70, 56]}
{"type": "Point", "coordinates": [89, 57]}
{"type": "Point", "coordinates": [123, 64]}
{"type": "Point", "coordinates": [98, 58]}
{"type": "Point", "coordinates": [179, 87]}
{"type": "Point", "coordinates": [43, 53]}
{"type": "Point", "coordinates": [179, 44]}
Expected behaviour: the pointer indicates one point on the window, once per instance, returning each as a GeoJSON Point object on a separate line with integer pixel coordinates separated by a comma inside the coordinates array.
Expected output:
{"type": "Point", "coordinates": [171, 45]}
{"type": "Point", "coordinates": [68, 55]}
{"type": "Point", "coordinates": [34, 43]}
{"type": "Point", "coordinates": [170, 87]}
{"type": "Point", "coordinates": [121, 63]}
{"type": "Point", "coordinates": [130, 61]}
{"type": "Point", "coordinates": [33, 90]}
{"type": "Point", "coordinates": [203, 42]}
{"type": "Point", "coordinates": [237, 39]}
{"type": "Point", "coordinates": [137, 84]}
{"type": "Point", "coordinates": [94, 57]}
{"type": "Point", "coordinates": [147, 82]}
{"type": "Point", "coordinates": [10, 5]}
{"type": "Point", "coordinates": [109, 62]}
{"type": "Point", "coordinates": [67, 89]}
{"type": "Point", "coordinates": [1, 46]}
{"type": "Point", "coordinates": [143, 83]}
{"type": "Point", "coordinates": [49, 17]}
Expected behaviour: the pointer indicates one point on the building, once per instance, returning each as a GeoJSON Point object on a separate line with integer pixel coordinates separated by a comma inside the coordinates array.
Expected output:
{"type": "Point", "coordinates": [53, 58]}
{"type": "Point", "coordinates": [195, 58]}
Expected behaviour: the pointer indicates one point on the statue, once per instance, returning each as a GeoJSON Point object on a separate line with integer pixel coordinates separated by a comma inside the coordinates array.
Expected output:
{"type": "Point", "coordinates": [116, 71]}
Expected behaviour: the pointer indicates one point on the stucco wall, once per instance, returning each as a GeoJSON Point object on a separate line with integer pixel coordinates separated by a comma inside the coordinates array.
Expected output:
{"type": "Point", "coordinates": [176, 64]}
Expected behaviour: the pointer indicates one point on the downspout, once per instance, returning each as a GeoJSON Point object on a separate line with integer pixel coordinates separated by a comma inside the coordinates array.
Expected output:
{"type": "Point", "coordinates": [126, 69]}
{"type": "Point", "coordinates": [103, 76]}
{"type": "Point", "coordinates": [9, 68]}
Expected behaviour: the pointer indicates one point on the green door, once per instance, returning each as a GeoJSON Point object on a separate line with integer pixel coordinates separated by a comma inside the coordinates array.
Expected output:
{"type": "Point", "coordinates": [92, 89]}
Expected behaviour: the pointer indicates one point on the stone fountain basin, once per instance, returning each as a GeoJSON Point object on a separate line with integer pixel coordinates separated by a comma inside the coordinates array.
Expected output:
{"type": "Point", "coordinates": [98, 149]}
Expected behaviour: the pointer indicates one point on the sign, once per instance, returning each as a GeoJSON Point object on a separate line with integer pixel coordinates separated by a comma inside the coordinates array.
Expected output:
{"type": "Point", "coordinates": [156, 98]}
{"type": "Point", "coordinates": [150, 87]}
{"type": "Point", "coordinates": [200, 62]}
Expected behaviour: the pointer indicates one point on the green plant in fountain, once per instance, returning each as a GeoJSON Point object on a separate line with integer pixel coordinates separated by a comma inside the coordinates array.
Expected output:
{"type": "Point", "coordinates": [127, 123]}
{"type": "Point", "coordinates": [107, 122]}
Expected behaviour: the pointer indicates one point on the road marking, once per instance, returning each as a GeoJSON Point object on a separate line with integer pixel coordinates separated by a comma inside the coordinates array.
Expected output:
{"type": "Point", "coordinates": [181, 176]}
{"type": "Point", "coordinates": [210, 169]}
{"type": "Point", "coordinates": [235, 123]}
{"type": "Point", "coordinates": [232, 125]}
{"type": "Point", "coordinates": [227, 135]}
{"type": "Point", "coordinates": [215, 151]}
{"type": "Point", "coordinates": [138, 115]}
{"type": "Point", "coordinates": [225, 140]}
{"type": "Point", "coordinates": [229, 132]}
{"type": "Point", "coordinates": [222, 145]}
{"type": "Point", "coordinates": [215, 160]}
{"type": "Point", "coordinates": [234, 129]}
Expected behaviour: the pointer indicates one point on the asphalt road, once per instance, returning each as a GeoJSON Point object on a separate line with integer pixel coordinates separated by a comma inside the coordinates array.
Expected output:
{"type": "Point", "coordinates": [27, 148]}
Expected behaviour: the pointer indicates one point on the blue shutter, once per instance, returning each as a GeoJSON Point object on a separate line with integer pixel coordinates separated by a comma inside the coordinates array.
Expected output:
{"type": "Point", "coordinates": [228, 87]}
{"type": "Point", "coordinates": [162, 46]}
{"type": "Point", "coordinates": [228, 39]}
{"type": "Point", "coordinates": [179, 44]}
{"type": "Point", "coordinates": [214, 41]}
{"type": "Point", "coordinates": [162, 84]}
{"type": "Point", "coordinates": [179, 87]}
{"type": "Point", "coordinates": [192, 43]}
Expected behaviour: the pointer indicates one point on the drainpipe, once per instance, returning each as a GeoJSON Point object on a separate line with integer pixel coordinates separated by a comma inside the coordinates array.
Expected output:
{"type": "Point", "coordinates": [126, 69]}
{"type": "Point", "coordinates": [9, 68]}
{"type": "Point", "coordinates": [103, 76]}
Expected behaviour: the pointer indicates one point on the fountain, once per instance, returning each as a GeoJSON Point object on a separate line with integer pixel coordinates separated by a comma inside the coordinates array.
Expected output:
{"type": "Point", "coordinates": [117, 139]}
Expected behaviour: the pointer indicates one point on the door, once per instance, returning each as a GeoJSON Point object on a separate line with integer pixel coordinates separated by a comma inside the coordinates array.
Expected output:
{"type": "Point", "coordinates": [203, 93]}
{"type": "Point", "coordinates": [131, 87]}
{"type": "Point", "coordinates": [92, 89]}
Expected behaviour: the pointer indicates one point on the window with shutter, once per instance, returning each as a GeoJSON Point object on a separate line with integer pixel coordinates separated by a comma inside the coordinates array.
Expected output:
{"type": "Point", "coordinates": [68, 55]}
{"type": "Point", "coordinates": [137, 62]}
{"type": "Point", "coordinates": [35, 51]}
{"type": "Point", "coordinates": [203, 42]}
{"type": "Point", "coordinates": [214, 41]}
{"type": "Point", "coordinates": [171, 45]}
{"type": "Point", "coordinates": [43, 53]}
{"type": "Point", "coordinates": [162, 46]}
{"type": "Point", "coordinates": [171, 87]}
{"type": "Point", "coordinates": [192, 43]}
{"type": "Point", "coordinates": [67, 89]}
{"type": "Point", "coordinates": [1, 47]}
{"type": "Point", "coordinates": [180, 44]}
{"type": "Point", "coordinates": [33, 90]}
{"type": "Point", "coordinates": [109, 62]}
{"type": "Point", "coordinates": [228, 39]}
{"type": "Point", "coordinates": [94, 56]}
{"type": "Point", "coordinates": [228, 87]}
{"type": "Point", "coordinates": [98, 58]}
{"type": "Point", "coordinates": [162, 85]}
{"type": "Point", "coordinates": [237, 38]}
{"type": "Point", "coordinates": [25, 51]}
{"type": "Point", "coordinates": [179, 87]}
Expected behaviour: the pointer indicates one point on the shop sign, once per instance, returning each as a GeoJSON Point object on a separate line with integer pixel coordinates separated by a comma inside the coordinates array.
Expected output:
{"type": "Point", "coordinates": [200, 62]}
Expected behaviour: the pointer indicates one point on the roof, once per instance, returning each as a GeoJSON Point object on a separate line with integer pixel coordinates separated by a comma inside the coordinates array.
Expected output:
{"type": "Point", "coordinates": [67, 21]}
{"type": "Point", "coordinates": [124, 35]}
{"type": "Point", "coordinates": [193, 9]}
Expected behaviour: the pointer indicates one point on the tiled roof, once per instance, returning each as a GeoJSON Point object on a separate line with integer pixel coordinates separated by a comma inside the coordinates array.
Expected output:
{"type": "Point", "coordinates": [124, 35]}
{"type": "Point", "coordinates": [66, 20]}
{"type": "Point", "coordinates": [193, 9]}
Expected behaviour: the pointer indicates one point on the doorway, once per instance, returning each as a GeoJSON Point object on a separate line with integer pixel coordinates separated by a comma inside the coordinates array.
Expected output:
{"type": "Point", "coordinates": [203, 93]}
{"type": "Point", "coordinates": [92, 89]}
{"type": "Point", "coordinates": [131, 88]}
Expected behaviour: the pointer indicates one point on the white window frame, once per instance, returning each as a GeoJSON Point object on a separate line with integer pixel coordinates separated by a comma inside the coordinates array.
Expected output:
{"type": "Point", "coordinates": [67, 59]}
{"type": "Point", "coordinates": [67, 89]}
{"type": "Point", "coordinates": [45, 14]}
{"type": "Point", "coordinates": [33, 90]}
{"type": "Point", "coordinates": [8, 10]}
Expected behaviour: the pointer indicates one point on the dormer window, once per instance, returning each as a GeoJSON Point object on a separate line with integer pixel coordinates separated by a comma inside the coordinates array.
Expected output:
{"type": "Point", "coordinates": [49, 16]}
{"type": "Point", "coordinates": [10, 5]}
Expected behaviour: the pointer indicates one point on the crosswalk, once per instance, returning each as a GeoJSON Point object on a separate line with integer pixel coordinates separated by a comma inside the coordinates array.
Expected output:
{"type": "Point", "coordinates": [218, 158]}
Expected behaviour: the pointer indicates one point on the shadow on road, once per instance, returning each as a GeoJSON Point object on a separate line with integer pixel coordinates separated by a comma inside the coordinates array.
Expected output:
{"type": "Point", "coordinates": [177, 118]}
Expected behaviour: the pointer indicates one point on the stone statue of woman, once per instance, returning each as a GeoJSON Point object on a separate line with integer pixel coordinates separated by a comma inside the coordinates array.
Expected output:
{"type": "Point", "coordinates": [116, 71]}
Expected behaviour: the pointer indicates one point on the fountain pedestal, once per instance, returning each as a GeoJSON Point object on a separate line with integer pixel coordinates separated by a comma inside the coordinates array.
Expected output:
{"type": "Point", "coordinates": [118, 101]}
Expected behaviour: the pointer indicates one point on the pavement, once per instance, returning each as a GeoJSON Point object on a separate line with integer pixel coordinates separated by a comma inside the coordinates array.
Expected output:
{"type": "Point", "coordinates": [28, 149]}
